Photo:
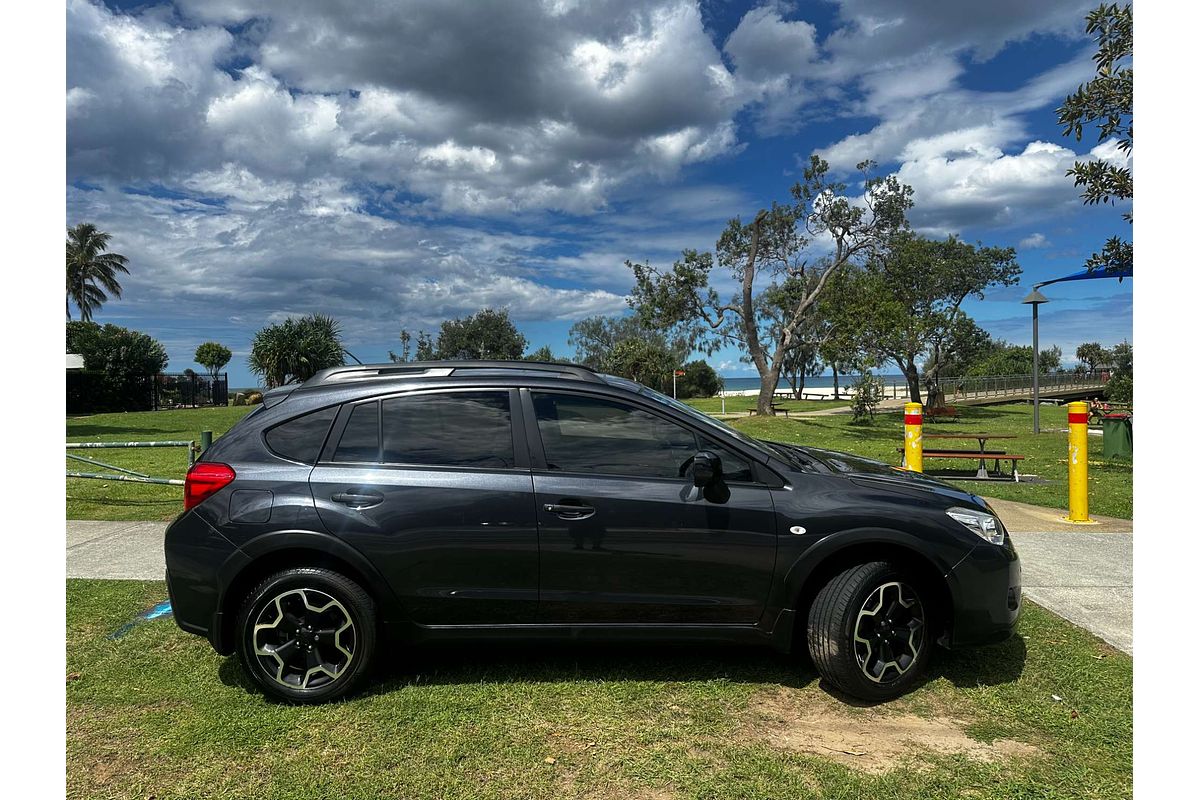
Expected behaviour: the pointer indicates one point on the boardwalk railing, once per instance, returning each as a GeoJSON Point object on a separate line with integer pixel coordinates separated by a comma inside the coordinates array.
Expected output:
{"type": "Point", "coordinates": [976, 386]}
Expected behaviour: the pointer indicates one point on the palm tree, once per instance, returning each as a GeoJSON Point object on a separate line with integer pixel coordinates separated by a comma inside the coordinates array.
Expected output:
{"type": "Point", "coordinates": [91, 272]}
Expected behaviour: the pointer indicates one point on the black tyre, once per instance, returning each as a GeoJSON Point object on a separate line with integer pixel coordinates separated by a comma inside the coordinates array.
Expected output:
{"type": "Point", "coordinates": [867, 631]}
{"type": "Point", "coordinates": [307, 635]}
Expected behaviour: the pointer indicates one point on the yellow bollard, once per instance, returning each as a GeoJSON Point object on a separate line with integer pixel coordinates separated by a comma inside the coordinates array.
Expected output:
{"type": "Point", "coordinates": [913, 449]}
{"type": "Point", "coordinates": [1077, 454]}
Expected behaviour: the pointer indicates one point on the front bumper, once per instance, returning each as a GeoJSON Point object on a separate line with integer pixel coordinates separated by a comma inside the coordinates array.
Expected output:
{"type": "Point", "coordinates": [987, 595]}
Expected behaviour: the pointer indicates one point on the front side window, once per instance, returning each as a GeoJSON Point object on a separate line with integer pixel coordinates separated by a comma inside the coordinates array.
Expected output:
{"type": "Point", "coordinates": [594, 435]}
{"type": "Point", "coordinates": [733, 467]}
{"type": "Point", "coordinates": [455, 429]}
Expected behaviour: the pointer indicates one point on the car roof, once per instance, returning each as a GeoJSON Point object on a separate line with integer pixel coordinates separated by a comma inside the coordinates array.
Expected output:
{"type": "Point", "coordinates": [376, 378]}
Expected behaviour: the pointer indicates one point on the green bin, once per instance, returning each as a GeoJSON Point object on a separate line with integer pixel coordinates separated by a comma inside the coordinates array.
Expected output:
{"type": "Point", "coordinates": [1118, 436]}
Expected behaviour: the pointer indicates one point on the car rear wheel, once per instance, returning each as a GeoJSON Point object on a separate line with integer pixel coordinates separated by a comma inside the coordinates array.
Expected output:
{"type": "Point", "coordinates": [867, 631]}
{"type": "Point", "coordinates": [307, 635]}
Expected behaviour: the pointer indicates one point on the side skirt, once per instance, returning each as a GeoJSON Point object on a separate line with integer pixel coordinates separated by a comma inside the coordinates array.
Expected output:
{"type": "Point", "coordinates": [779, 637]}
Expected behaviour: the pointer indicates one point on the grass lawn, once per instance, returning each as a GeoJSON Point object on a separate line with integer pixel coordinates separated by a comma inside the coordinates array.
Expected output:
{"type": "Point", "coordinates": [155, 713]}
{"type": "Point", "coordinates": [740, 403]}
{"type": "Point", "coordinates": [1110, 482]}
{"type": "Point", "coordinates": [120, 500]}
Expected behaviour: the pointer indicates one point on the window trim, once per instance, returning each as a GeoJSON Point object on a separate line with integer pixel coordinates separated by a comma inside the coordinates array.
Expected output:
{"type": "Point", "coordinates": [516, 428]}
{"type": "Point", "coordinates": [538, 448]}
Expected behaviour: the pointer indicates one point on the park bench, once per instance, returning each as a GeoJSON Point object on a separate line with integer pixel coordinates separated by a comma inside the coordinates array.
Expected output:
{"type": "Point", "coordinates": [776, 407]}
{"type": "Point", "coordinates": [941, 414]}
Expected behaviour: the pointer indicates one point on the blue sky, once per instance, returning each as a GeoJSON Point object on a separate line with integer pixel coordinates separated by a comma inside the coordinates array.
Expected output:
{"type": "Point", "coordinates": [399, 165]}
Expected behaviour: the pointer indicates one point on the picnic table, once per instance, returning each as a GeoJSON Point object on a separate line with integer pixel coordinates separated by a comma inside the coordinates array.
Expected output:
{"type": "Point", "coordinates": [982, 454]}
{"type": "Point", "coordinates": [1099, 409]}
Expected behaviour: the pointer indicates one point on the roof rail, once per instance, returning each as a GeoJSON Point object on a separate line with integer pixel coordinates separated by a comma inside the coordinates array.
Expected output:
{"type": "Point", "coordinates": [441, 369]}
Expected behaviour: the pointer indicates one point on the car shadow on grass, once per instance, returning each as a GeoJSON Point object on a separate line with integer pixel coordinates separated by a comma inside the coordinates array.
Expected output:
{"type": "Point", "coordinates": [552, 662]}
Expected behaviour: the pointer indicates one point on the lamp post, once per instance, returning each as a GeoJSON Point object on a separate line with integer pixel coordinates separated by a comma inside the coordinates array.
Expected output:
{"type": "Point", "coordinates": [1035, 299]}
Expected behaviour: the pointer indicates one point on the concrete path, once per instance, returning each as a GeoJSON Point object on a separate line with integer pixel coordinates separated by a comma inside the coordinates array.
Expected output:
{"type": "Point", "coordinates": [1084, 574]}
{"type": "Point", "coordinates": [1081, 572]}
{"type": "Point", "coordinates": [127, 550]}
{"type": "Point", "coordinates": [1085, 577]}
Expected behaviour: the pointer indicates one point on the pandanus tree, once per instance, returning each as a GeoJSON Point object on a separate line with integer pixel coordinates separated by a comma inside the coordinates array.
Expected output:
{"type": "Point", "coordinates": [91, 271]}
{"type": "Point", "coordinates": [296, 349]}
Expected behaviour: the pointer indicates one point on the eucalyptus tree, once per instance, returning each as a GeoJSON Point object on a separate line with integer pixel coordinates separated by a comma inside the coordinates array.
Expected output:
{"type": "Point", "coordinates": [914, 291]}
{"type": "Point", "coordinates": [805, 241]}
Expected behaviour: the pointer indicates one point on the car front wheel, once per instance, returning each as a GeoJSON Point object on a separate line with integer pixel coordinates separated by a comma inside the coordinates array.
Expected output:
{"type": "Point", "coordinates": [867, 631]}
{"type": "Point", "coordinates": [307, 635]}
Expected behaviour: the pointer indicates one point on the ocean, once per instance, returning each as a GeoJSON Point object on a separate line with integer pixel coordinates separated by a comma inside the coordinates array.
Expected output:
{"type": "Point", "coordinates": [821, 381]}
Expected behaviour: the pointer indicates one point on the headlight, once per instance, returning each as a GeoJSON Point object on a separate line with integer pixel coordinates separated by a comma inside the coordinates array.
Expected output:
{"type": "Point", "coordinates": [980, 522]}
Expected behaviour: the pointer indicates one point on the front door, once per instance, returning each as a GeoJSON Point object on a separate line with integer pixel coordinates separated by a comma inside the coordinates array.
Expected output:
{"type": "Point", "coordinates": [430, 487]}
{"type": "Point", "coordinates": [626, 537]}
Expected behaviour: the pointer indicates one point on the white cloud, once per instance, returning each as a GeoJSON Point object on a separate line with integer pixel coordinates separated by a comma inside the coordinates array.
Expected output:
{"type": "Point", "coordinates": [764, 45]}
{"type": "Point", "coordinates": [1033, 241]}
{"type": "Point", "coordinates": [535, 108]}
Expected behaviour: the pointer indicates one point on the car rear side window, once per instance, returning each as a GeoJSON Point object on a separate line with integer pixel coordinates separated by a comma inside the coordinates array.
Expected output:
{"type": "Point", "coordinates": [360, 437]}
{"type": "Point", "coordinates": [300, 439]}
{"type": "Point", "coordinates": [454, 429]}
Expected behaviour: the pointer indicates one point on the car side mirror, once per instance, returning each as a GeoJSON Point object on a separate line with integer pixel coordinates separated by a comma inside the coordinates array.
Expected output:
{"type": "Point", "coordinates": [706, 468]}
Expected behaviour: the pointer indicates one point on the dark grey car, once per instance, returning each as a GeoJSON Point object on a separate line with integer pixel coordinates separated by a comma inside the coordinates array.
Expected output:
{"type": "Point", "coordinates": [480, 500]}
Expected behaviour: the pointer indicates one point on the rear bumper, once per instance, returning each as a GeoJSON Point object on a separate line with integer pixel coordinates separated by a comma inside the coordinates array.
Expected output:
{"type": "Point", "coordinates": [195, 553]}
{"type": "Point", "coordinates": [987, 589]}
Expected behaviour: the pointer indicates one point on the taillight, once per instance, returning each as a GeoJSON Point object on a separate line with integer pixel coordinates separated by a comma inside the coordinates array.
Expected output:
{"type": "Point", "coordinates": [203, 480]}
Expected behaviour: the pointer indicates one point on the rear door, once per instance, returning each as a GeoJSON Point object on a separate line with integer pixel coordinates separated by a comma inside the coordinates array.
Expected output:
{"type": "Point", "coordinates": [436, 490]}
{"type": "Point", "coordinates": [625, 536]}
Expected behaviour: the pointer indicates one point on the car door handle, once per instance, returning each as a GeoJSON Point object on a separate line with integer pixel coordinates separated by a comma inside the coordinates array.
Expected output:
{"type": "Point", "coordinates": [358, 499]}
{"type": "Point", "coordinates": [570, 510]}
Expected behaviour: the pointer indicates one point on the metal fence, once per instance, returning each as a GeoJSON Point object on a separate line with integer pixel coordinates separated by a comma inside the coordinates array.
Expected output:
{"type": "Point", "coordinates": [98, 392]}
{"type": "Point", "coordinates": [975, 386]}
{"type": "Point", "coordinates": [189, 390]}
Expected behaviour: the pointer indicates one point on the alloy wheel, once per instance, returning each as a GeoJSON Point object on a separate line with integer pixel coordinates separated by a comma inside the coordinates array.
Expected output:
{"type": "Point", "coordinates": [304, 639]}
{"type": "Point", "coordinates": [889, 632]}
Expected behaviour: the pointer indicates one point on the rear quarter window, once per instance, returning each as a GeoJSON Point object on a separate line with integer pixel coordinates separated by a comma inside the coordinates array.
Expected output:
{"type": "Point", "coordinates": [301, 438]}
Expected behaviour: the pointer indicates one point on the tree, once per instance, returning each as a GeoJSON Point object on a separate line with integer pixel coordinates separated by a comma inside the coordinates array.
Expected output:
{"type": "Point", "coordinates": [640, 360]}
{"type": "Point", "coordinates": [1107, 102]}
{"type": "Point", "coordinates": [121, 361]}
{"type": "Point", "coordinates": [296, 349]}
{"type": "Point", "coordinates": [966, 344]}
{"type": "Point", "coordinates": [543, 353]}
{"type": "Point", "coordinates": [595, 338]}
{"type": "Point", "coordinates": [772, 249]}
{"type": "Point", "coordinates": [405, 348]}
{"type": "Point", "coordinates": [1119, 388]}
{"type": "Point", "coordinates": [1092, 355]}
{"type": "Point", "coordinates": [1011, 359]}
{"type": "Point", "coordinates": [91, 272]}
{"type": "Point", "coordinates": [213, 356]}
{"type": "Point", "coordinates": [115, 350]}
{"type": "Point", "coordinates": [698, 380]}
{"type": "Point", "coordinates": [488, 334]}
{"type": "Point", "coordinates": [915, 289]}
{"type": "Point", "coordinates": [843, 346]}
